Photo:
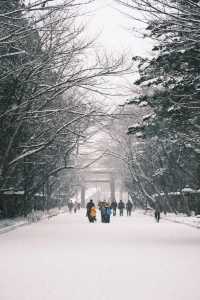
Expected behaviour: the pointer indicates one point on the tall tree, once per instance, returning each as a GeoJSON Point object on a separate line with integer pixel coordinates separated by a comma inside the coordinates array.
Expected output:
{"type": "Point", "coordinates": [169, 84]}
{"type": "Point", "coordinates": [45, 77]}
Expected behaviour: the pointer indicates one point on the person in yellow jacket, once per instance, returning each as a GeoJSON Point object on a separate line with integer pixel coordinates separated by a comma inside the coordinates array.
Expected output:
{"type": "Point", "coordinates": [93, 214]}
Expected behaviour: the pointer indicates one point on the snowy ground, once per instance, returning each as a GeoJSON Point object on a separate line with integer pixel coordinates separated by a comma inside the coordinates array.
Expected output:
{"type": "Point", "coordinates": [132, 258]}
{"type": "Point", "coordinates": [193, 221]}
{"type": "Point", "coordinates": [7, 225]}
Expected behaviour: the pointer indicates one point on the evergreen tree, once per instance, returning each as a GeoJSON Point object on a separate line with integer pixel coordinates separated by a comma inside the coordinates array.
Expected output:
{"type": "Point", "coordinates": [169, 84]}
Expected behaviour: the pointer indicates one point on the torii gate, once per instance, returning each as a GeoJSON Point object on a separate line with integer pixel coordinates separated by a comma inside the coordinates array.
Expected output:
{"type": "Point", "coordinates": [111, 181]}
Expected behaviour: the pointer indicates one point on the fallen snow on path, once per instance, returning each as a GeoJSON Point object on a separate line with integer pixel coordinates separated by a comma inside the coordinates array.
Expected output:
{"type": "Point", "coordinates": [65, 258]}
{"type": "Point", "coordinates": [193, 221]}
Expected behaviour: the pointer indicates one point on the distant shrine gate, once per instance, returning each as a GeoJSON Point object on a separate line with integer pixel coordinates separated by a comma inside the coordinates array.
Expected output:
{"type": "Point", "coordinates": [94, 173]}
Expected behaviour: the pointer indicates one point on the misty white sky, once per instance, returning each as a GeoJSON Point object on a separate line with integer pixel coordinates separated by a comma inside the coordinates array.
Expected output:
{"type": "Point", "coordinates": [115, 34]}
{"type": "Point", "coordinates": [116, 30]}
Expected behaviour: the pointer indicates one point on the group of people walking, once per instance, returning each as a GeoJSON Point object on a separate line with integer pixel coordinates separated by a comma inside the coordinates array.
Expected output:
{"type": "Point", "coordinates": [121, 206]}
{"type": "Point", "coordinates": [73, 206]}
{"type": "Point", "coordinates": [107, 209]}
{"type": "Point", "coordinates": [104, 208]}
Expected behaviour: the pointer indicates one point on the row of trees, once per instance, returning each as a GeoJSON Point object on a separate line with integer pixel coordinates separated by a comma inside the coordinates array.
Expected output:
{"type": "Point", "coordinates": [47, 70]}
{"type": "Point", "coordinates": [162, 150]}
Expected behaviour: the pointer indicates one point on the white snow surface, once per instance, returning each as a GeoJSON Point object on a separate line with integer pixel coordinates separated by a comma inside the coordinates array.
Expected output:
{"type": "Point", "coordinates": [65, 257]}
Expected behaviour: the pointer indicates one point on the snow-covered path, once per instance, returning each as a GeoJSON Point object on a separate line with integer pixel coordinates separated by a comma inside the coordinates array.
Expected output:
{"type": "Point", "coordinates": [65, 258]}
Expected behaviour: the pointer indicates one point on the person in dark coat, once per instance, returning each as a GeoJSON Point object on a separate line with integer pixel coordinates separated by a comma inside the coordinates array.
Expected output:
{"type": "Point", "coordinates": [70, 206]}
{"type": "Point", "coordinates": [129, 206]}
{"type": "Point", "coordinates": [89, 205]}
{"type": "Point", "coordinates": [121, 207]}
{"type": "Point", "coordinates": [102, 206]}
{"type": "Point", "coordinates": [114, 207]}
{"type": "Point", "coordinates": [157, 212]}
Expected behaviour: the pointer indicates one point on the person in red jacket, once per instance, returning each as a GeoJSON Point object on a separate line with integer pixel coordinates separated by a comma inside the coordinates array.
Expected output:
{"type": "Point", "coordinates": [93, 214]}
{"type": "Point", "coordinates": [88, 208]}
